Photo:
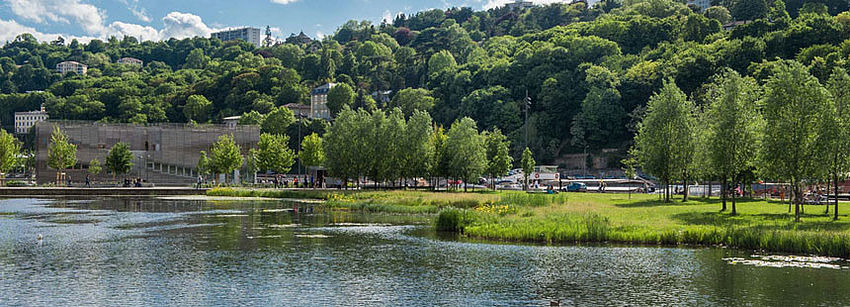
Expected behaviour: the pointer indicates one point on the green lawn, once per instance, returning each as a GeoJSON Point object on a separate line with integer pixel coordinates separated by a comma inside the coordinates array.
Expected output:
{"type": "Point", "coordinates": [590, 217]}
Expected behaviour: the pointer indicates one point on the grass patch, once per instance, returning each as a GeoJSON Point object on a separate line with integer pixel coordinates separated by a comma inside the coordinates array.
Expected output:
{"type": "Point", "coordinates": [590, 217]}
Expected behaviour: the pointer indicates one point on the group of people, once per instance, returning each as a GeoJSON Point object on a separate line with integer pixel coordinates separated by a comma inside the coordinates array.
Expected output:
{"type": "Point", "coordinates": [281, 181]}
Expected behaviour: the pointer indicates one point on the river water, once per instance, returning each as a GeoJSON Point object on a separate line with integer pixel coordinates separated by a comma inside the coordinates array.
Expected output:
{"type": "Point", "coordinates": [150, 252]}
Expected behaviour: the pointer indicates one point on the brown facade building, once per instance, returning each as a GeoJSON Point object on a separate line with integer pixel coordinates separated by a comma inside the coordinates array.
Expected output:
{"type": "Point", "coordinates": [164, 154]}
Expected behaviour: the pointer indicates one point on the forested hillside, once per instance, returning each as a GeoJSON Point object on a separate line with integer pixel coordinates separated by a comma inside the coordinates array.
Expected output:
{"type": "Point", "coordinates": [589, 71]}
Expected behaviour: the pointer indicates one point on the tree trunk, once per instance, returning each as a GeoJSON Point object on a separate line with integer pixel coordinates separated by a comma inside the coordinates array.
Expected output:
{"type": "Point", "coordinates": [685, 188]}
{"type": "Point", "coordinates": [734, 194]}
{"type": "Point", "coordinates": [723, 190]}
{"type": "Point", "coordinates": [835, 186]}
{"type": "Point", "coordinates": [827, 195]}
{"type": "Point", "coordinates": [796, 202]}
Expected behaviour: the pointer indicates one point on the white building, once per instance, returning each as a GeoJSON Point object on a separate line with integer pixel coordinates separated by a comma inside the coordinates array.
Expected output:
{"type": "Point", "coordinates": [131, 61]}
{"type": "Point", "coordinates": [72, 66]}
{"type": "Point", "coordinates": [319, 102]}
{"type": "Point", "coordinates": [25, 120]}
{"type": "Point", "coordinates": [520, 5]}
{"type": "Point", "coordinates": [702, 4]}
{"type": "Point", "coordinates": [251, 35]}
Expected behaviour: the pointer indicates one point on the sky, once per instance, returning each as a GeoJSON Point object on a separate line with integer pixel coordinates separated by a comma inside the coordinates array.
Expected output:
{"type": "Point", "coordinates": [163, 19]}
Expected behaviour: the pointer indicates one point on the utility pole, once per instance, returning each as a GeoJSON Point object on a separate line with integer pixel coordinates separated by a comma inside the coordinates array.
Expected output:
{"type": "Point", "coordinates": [527, 105]}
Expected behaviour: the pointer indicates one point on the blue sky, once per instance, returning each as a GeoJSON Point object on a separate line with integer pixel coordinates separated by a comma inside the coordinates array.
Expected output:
{"type": "Point", "coordinates": [162, 19]}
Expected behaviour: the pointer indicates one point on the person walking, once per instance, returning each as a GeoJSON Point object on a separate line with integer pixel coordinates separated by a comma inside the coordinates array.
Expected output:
{"type": "Point", "coordinates": [200, 180]}
{"type": "Point", "coordinates": [88, 181]}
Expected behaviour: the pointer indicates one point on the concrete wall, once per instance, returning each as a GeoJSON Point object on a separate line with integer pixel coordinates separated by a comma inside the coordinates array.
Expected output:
{"type": "Point", "coordinates": [173, 147]}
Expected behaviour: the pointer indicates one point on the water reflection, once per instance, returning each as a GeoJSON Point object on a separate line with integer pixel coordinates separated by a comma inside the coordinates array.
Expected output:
{"type": "Point", "coordinates": [158, 252]}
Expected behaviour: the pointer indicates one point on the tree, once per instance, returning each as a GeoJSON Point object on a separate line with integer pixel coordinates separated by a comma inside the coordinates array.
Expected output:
{"type": "Point", "coordinates": [734, 128]}
{"type": "Point", "coordinates": [203, 164]}
{"type": "Point", "coordinates": [418, 150]}
{"type": "Point", "coordinates": [412, 99]}
{"type": "Point", "coordinates": [340, 96]}
{"type": "Point", "coordinates": [793, 104]}
{"type": "Point", "coordinates": [719, 13]}
{"type": "Point", "coordinates": [197, 108]}
{"type": "Point", "coordinates": [251, 166]}
{"type": "Point", "coordinates": [664, 139]}
{"type": "Point", "coordinates": [119, 160]}
{"type": "Point", "coordinates": [499, 159]}
{"type": "Point", "coordinates": [339, 145]}
{"type": "Point", "coordinates": [527, 162]}
{"type": "Point", "coordinates": [277, 121]}
{"type": "Point", "coordinates": [273, 153]}
{"type": "Point", "coordinates": [629, 165]}
{"type": "Point", "coordinates": [312, 151]}
{"type": "Point", "coordinates": [441, 61]}
{"type": "Point", "coordinates": [9, 150]}
{"type": "Point", "coordinates": [749, 9]}
{"type": "Point", "coordinates": [465, 151]}
{"type": "Point", "coordinates": [836, 129]}
{"type": "Point", "coordinates": [439, 166]}
{"type": "Point", "coordinates": [94, 167]}
{"type": "Point", "coordinates": [61, 154]}
{"type": "Point", "coordinates": [225, 155]}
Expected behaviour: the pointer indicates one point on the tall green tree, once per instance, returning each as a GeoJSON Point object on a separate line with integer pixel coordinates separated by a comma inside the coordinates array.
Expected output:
{"type": "Point", "coordinates": [527, 162]}
{"type": "Point", "coordinates": [197, 108]}
{"type": "Point", "coordinates": [664, 140]}
{"type": "Point", "coordinates": [225, 155]}
{"type": "Point", "coordinates": [119, 160]}
{"type": "Point", "coordinates": [835, 136]}
{"type": "Point", "coordinates": [277, 121]}
{"type": "Point", "coordinates": [439, 166]}
{"type": "Point", "coordinates": [499, 159]}
{"type": "Point", "coordinates": [411, 100]}
{"type": "Point", "coordinates": [312, 151]}
{"type": "Point", "coordinates": [466, 151]}
{"type": "Point", "coordinates": [734, 128]}
{"type": "Point", "coordinates": [340, 144]}
{"type": "Point", "coordinates": [340, 96]}
{"type": "Point", "coordinates": [9, 150]}
{"type": "Point", "coordinates": [794, 102]}
{"type": "Point", "coordinates": [273, 153]}
{"type": "Point", "coordinates": [61, 154]}
{"type": "Point", "coordinates": [418, 150]}
{"type": "Point", "coordinates": [94, 167]}
{"type": "Point", "coordinates": [204, 167]}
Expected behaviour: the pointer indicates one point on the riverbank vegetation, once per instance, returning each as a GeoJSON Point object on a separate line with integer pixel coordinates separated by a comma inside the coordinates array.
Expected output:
{"type": "Point", "coordinates": [598, 218]}
{"type": "Point", "coordinates": [613, 218]}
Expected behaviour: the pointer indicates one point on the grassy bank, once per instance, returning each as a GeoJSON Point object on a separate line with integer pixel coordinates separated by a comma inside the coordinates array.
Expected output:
{"type": "Point", "coordinates": [588, 217]}
{"type": "Point", "coordinates": [759, 225]}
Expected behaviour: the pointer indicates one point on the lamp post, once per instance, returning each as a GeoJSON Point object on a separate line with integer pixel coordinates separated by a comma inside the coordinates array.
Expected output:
{"type": "Point", "coordinates": [298, 141]}
{"type": "Point", "coordinates": [527, 105]}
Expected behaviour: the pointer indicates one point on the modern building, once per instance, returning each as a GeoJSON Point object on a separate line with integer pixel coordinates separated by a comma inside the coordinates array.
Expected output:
{"type": "Point", "coordinates": [520, 5]}
{"type": "Point", "coordinates": [72, 66]}
{"type": "Point", "coordinates": [248, 34]}
{"type": "Point", "coordinates": [298, 109]}
{"type": "Point", "coordinates": [319, 102]}
{"type": "Point", "coordinates": [163, 154]}
{"type": "Point", "coordinates": [25, 120]}
{"type": "Point", "coordinates": [131, 61]}
{"type": "Point", "coordinates": [702, 4]}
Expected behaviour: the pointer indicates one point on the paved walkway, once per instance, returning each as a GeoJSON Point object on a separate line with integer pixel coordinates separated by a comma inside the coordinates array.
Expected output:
{"type": "Point", "coordinates": [64, 191]}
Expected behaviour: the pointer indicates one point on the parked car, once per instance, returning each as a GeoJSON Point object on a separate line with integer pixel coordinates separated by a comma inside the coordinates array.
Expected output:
{"type": "Point", "coordinates": [576, 187]}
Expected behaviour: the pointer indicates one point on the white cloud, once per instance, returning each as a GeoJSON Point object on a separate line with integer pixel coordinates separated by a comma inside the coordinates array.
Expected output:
{"type": "Point", "coordinates": [143, 33]}
{"type": "Point", "coordinates": [498, 3]}
{"type": "Point", "coordinates": [140, 12]}
{"type": "Point", "coordinates": [283, 2]}
{"type": "Point", "coordinates": [183, 25]}
{"type": "Point", "coordinates": [87, 16]}
{"type": "Point", "coordinates": [9, 29]}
